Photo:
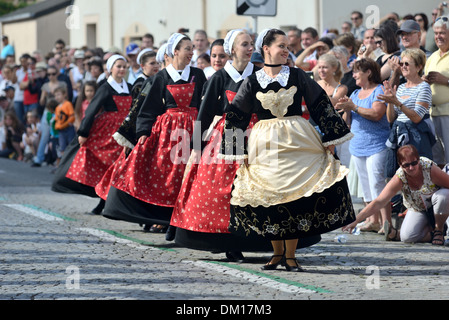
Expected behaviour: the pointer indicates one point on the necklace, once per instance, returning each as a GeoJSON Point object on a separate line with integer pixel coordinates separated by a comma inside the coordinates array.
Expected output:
{"type": "Point", "coordinates": [273, 65]}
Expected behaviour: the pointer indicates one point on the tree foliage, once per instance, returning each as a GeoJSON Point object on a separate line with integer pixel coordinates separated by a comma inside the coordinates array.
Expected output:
{"type": "Point", "coordinates": [8, 7]}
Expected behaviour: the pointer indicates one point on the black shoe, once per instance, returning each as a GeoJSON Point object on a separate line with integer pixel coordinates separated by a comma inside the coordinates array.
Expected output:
{"type": "Point", "coordinates": [155, 228]}
{"type": "Point", "coordinates": [290, 268]}
{"type": "Point", "coordinates": [98, 209]}
{"type": "Point", "coordinates": [170, 233]}
{"type": "Point", "coordinates": [94, 213]}
{"type": "Point", "coordinates": [36, 165]}
{"type": "Point", "coordinates": [235, 256]}
{"type": "Point", "coordinates": [273, 266]}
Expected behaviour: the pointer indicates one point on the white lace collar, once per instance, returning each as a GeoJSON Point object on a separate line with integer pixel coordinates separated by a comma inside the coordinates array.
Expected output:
{"type": "Point", "coordinates": [264, 79]}
{"type": "Point", "coordinates": [175, 75]}
{"type": "Point", "coordinates": [120, 88]}
{"type": "Point", "coordinates": [235, 75]}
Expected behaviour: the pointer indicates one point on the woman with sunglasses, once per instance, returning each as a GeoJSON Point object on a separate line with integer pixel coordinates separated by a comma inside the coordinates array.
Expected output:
{"type": "Point", "coordinates": [48, 89]}
{"type": "Point", "coordinates": [385, 39]}
{"type": "Point", "coordinates": [408, 109]}
{"type": "Point", "coordinates": [425, 188]}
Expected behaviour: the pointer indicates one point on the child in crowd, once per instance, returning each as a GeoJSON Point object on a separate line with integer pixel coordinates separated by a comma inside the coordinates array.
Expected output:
{"type": "Point", "coordinates": [13, 136]}
{"type": "Point", "coordinates": [64, 119]}
{"type": "Point", "coordinates": [31, 137]}
{"type": "Point", "coordinates": [87, 92]}
{"type": "Point", "coordinates": [52, 155]}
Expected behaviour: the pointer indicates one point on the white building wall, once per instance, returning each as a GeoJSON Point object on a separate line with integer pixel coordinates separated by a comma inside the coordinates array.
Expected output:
{"type": "Point", "coordinates": [132, 18]}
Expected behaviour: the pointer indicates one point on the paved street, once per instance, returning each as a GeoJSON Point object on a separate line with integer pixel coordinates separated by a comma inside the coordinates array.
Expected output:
{"type": "Point", "coordinates": [50, 249]}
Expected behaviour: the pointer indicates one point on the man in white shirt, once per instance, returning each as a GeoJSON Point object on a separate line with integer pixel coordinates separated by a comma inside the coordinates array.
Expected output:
{"type": "Point", "coordinates": [437, 75]}
{"type": "Point", "coordinates": [134, 70]}
{"type": "Point", "coordinates": [358, 29]}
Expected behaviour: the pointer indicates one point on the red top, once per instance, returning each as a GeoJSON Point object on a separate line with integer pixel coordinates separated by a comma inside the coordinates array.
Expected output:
{"type": "Point", "coordinates": [28, 97]}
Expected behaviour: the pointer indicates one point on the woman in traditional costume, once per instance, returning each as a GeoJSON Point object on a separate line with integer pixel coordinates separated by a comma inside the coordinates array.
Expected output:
{"type": "Point", "coordinates": [291, 186]}
{"type": "Point", "coordinates": [202, 210]}
{"type": "Point", "coordinates": [94, 150]}
{"type": "Point", "coordinates": [126, 134]}
{"type": "Point", "coordinates": [144, 189]}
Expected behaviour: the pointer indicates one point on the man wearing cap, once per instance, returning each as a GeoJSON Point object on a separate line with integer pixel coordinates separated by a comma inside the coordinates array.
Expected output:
{"type": "Point", "coordinates": [410, 35]}
{"type": "Point", "coordinates": [437, 75]}
{"type": "Point", "coordinates": [134, 71]}
{"type": "Point", "coordinates": [8, 50]}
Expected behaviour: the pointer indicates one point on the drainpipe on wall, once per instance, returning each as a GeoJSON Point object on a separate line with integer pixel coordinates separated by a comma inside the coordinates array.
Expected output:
{"type": "Point", "coordinates": [205, 15]}
{"type": "Point", "coordinates": [318, 16]}
{"type": "Point", "coordinates": [111, 22]}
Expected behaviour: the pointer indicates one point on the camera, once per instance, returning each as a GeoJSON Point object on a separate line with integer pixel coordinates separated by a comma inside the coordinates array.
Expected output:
{"type": "Point", "coordinates": [444, 4]}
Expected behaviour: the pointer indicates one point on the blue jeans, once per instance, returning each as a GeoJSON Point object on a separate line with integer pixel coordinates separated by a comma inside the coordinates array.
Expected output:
{"type": "Point", "coordinates": [45, 138]}
{"type": "Point", "coordinates": [20, 111]}
{"type": "Point", "coordinates": [30, 107]}
{"type": "Point", "coordinates": [65, 137]}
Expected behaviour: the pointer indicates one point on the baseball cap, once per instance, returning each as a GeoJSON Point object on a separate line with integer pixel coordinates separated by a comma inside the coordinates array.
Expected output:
{"type": "Point", "coordinates": [409, 26]}
{"type": "Point", "coordinates": [41, 66]}
{"type": "Point", "coordinates": [79, 54]}
{"type": "Point", "coordinates": [132, 48]}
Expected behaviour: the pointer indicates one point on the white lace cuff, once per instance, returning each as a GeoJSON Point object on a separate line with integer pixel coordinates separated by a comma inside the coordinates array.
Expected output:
{"type": "Point", "coordinates": [341, 140]}
{"type": "Point", "coordinates": [121, 140]}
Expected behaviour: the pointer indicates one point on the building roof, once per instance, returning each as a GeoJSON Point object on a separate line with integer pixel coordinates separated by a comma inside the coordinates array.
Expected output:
{"type": "Point", "coordinates": [35, 11]}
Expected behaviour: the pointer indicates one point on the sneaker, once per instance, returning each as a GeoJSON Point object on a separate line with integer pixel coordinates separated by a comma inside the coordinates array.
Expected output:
{"type": "Point", "coordinates": [35, 165]}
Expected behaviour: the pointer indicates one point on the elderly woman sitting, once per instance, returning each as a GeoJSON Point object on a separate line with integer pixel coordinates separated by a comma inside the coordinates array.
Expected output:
{"type": "Point", "coordinates": [425, 188]}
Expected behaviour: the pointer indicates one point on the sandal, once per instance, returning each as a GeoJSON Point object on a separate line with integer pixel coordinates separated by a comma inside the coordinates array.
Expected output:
{"type": "Point", "coordinates": [295, 268]}
{"type": "Point", "coordinates": [387, 228]}
{"type": "Point", "coordinates": [370, 226]}
{"type": "Point", "coordinates": [273, 266]}
{"type": "Point", "coordinates": [439, 241]}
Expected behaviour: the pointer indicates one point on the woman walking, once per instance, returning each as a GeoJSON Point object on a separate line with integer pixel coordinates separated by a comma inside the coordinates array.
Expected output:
{"type": "Point", "coordinates": [290, 185]}
{"type": "Point", "coordinates": [144, 189]}
{"type": "Point", "coordinates": [90, 155]}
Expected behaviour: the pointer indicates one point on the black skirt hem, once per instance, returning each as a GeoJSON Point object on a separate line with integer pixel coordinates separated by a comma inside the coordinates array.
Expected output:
{"type": "Point", "coordinates": [225, 242]}
{"type": "Point", "coordinates": [121, 206]}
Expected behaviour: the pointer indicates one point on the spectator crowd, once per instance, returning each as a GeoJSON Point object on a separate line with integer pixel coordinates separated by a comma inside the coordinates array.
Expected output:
{"type": "Point", "coordinates": [390, 83]}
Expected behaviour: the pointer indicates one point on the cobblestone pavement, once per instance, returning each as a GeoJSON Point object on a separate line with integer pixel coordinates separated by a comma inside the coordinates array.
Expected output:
{"type": "Point", "coordinates": [51, 249]}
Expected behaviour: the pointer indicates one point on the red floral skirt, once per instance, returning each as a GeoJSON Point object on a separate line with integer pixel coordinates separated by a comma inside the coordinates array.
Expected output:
{"type": "Point", "coordinates": [203, 204]}
{"type": "Point", "coordinates": [153, 171]}
{"type": "Point", "coordinates": [100, 150]}
{"type": "Point", "coordinates": [103, 187]}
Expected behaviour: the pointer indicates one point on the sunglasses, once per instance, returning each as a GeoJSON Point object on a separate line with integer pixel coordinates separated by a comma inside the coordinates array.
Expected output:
{"type": "Point", "coordinates": [445, 19]}
{"type": "Point", "coordinates": [52, 74]}
{"type": "Point", "coordinates": [407, 165]}
{"type": "Point", "coordinates": [378, 42]}
{"type": "Point", "coordinates": [404, 64]}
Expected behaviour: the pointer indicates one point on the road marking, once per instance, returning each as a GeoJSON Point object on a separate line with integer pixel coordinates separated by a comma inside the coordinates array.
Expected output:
{"type": "Point", "coordinates": [35, 212]}
{"type": "Point", "coordinates": [114, 236]}
{"type": "Point", "coordinates": [253, 276]}
{"type": "Point", "coordinates": [259, 278]}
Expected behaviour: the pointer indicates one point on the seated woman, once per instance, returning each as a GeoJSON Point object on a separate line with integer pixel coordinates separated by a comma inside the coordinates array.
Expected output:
{"type": "Point", "coordinates": [425, 188]}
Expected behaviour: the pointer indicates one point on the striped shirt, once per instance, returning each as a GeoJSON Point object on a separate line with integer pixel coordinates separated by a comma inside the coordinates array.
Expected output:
{"type": "Point", "coordinates": [410, 98]}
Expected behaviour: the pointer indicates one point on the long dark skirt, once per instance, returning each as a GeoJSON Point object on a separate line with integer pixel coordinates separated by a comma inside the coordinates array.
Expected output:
{"type": "Point", "coordinates": [61, 183]}
{"type": "Point", "coordinates": [220, 242]}
{"type": "Point", "coordinates": [122, 206]}
{"type": "Point", "coordinates": [306, 217]}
